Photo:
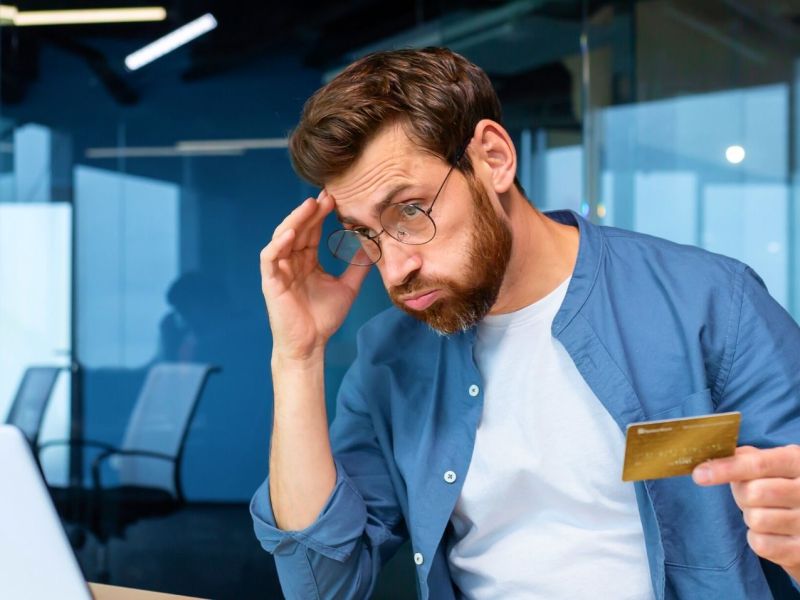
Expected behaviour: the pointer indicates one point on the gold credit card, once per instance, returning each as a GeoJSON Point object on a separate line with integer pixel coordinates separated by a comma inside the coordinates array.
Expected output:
{"type": "Point", "coordinates": [656, 449]}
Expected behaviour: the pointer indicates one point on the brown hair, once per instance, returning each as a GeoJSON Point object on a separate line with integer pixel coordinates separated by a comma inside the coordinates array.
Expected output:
{"type": "Point", "coordinates": [435, 94]}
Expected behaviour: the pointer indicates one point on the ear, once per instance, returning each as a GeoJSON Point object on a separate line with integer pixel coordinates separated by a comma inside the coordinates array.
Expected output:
{"type": "Point", "coordinates": [492, 147]}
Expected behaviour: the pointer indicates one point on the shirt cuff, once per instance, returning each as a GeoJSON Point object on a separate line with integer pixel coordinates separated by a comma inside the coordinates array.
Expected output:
{"type": "Point", "coordinates": [334, 533]}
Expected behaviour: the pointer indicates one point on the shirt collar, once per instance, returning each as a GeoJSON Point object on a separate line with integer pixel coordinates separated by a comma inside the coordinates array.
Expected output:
{"type": "Point", "coordinates": [587, 266]}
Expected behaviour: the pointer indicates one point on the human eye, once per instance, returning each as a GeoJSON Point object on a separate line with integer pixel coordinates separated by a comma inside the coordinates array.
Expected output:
{"type": "Point", "coordinates": [410, 210]}
{"type": "Point", "coordinates": [365, 231]}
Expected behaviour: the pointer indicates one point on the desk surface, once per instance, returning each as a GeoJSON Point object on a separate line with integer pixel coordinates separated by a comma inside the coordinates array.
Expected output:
{"type": "Point", "coordinates": [112, 592]}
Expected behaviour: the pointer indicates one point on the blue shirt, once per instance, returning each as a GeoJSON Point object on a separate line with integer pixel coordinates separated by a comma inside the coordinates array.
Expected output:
{"type": "Point", "coordinates": [658, 330]}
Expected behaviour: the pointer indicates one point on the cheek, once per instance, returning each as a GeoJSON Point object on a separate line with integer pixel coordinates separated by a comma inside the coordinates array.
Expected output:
{"type": "Point", "coordinates": [448, 261]}
{"type": "Point", "coordinates": [453, 251]}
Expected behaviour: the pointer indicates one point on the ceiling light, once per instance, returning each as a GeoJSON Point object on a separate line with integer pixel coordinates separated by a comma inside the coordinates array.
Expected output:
{"type": "Point", "coordinates": [154, 152]}
{"type": "Point", "coordinates": [734, 154]}
{"type": "Point", "coordinates": [234, 147]}
{"type": "Point", "coordinates": [7, 14]}
{"type": "Point", "coordinates": [170, 42]}
{"type": "Point", "coordinates": [243, 144]}
{"type": "Point", "coordinates": [88, 15]}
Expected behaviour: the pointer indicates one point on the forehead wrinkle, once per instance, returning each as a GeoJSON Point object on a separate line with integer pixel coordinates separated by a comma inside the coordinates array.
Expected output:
{"type": "Point", "coordinates": [373, 183]}
{"type": "Point", "coordinates": [378, 207]}
{"type": "Point", "coordinates": [368, 177]}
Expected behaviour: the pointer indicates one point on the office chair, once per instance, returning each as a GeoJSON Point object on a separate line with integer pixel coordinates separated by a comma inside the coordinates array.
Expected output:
{"type": "Point", "coordinates": [30, 401]}
{"type": "Point", "coordinates": [147, 462]}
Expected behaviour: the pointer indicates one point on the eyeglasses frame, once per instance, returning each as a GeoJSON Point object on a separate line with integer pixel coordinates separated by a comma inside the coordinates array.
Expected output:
{"type": "Point", "coordinates": [427, 213]}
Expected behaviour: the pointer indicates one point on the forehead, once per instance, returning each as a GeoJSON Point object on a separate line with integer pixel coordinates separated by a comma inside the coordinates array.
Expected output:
{"type": "Point", "coordinates": [389, 160]}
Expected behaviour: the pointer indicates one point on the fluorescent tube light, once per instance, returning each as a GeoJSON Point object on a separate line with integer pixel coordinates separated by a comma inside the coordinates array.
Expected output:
{"type": "Point", "coordinates": [7, 14]}
{"type": "Point", "coordinates": [170, 42]}
{"type": "Point", "coordinates": [235, 147]}
{"type": "Point", "coordinates": [155, 152]}
{"type": "Point", "coordinates": [243, 144]}
{"type": "Point", "coordinates": [89, 15]}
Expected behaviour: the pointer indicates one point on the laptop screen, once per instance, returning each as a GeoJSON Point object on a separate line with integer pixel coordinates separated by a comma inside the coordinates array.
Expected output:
{"type": "Point", "coordinates": [36, 560]}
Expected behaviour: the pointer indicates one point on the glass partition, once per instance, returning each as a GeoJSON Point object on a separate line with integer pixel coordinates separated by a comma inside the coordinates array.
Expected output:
{"type": "Point", "coordinates": [691, 132]}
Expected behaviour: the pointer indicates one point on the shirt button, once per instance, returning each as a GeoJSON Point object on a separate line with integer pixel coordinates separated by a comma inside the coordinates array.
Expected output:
{"type": "Point", "coordinates": [418, 558]}
{"type": "Point", "coordinates": [473, 390]}
{"type": "Point", "coordinates": [450, 476]}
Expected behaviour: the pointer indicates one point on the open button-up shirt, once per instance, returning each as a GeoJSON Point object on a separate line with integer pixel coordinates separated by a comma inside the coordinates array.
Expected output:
{"type": "Point", "coordinates": [656, 329]}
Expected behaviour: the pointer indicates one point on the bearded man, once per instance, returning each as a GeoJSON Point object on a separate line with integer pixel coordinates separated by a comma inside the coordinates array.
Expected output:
{"type": "Point", "coordinates": [483, 420]}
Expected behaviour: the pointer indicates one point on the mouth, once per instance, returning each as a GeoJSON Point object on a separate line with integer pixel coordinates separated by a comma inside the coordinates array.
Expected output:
{"type": "Point", "coordinates": [422, 301]}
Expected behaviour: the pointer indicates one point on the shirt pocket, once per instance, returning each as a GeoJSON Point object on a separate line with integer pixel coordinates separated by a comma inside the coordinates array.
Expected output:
{"type": "Point", "coordinates": [701, 527]}
{"type": "Point", "coordinates": [694, 405]}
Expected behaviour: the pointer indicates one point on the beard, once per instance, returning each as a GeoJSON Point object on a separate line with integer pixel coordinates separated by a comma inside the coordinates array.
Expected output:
{"type": "Point", "coordinates": [463, 305]}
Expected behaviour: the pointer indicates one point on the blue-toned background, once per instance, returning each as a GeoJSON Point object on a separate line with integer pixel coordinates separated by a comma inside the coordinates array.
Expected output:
{"type": "Point", "coordinates": [133, 205]}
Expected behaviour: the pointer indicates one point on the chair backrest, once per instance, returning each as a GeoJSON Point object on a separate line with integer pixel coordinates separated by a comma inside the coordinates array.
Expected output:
{"type": "Point", "coordinates": [160, 422]}
{"type": "Point", "coordinates": [30, 401]}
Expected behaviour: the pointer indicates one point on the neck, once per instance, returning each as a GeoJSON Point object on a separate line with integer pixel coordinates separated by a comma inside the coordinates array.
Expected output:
{"type": "Point", "coordinates": [543, 255]}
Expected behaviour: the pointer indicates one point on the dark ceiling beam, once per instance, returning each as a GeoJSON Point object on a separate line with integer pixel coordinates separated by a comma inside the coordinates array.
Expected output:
{"type": "Point", "coordinates": [243, 37]}
{"type": "Point", "coordinates": [786, 31]}
{"type": "Point", "coordinates": [115, 85]}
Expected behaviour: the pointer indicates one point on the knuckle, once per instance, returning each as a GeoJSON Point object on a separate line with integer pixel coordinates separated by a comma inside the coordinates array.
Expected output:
{"type": "Point", "coordinates": [754, 493]}
{"type": "Point", "coordinates": [747, 516]}
{"type": "Point", "coordinates": [755, 518]}
{"type": "Point", "coordinates": [759, 462]}
{"type": "Point", "coordinates": [758, 543]}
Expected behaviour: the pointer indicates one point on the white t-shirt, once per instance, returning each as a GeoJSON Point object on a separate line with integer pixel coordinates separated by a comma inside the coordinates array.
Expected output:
{"type": "Point", "coordinates": [543, 512]}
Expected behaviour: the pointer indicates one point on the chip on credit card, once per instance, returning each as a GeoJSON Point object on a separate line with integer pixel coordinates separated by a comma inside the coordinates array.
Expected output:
{"type": "Point", "coordinates": [658, 449]}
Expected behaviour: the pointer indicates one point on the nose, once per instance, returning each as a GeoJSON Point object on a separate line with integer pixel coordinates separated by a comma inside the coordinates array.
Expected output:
{"type": "Point", "coordinates": [398, 261]}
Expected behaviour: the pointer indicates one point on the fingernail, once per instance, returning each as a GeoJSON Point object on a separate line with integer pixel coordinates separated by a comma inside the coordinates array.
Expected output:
{"type": "Point", "coordinates": [702, 474]}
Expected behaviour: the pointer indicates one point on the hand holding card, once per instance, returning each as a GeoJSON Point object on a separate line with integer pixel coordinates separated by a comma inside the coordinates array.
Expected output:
{"type": "Point", "coordinates": [765, 483]}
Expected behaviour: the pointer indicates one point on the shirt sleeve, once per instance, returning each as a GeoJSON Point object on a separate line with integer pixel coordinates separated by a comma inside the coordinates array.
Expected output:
{"type": "Point", "coordinates": [763, 378]}
{"type": "Point", "coordinates": [360, 527]}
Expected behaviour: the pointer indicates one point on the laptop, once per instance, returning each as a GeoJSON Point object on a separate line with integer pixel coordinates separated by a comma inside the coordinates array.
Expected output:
{"type": "Point", "coordinates": [36, 560]}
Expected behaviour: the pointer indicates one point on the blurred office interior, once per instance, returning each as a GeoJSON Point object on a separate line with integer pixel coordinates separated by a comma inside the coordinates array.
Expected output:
{"type": "Point", "coordinates": [134, 204]}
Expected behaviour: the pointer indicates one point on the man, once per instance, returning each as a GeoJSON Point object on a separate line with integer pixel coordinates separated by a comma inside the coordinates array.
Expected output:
{"type": "Point", "coordinates": [484, 419]}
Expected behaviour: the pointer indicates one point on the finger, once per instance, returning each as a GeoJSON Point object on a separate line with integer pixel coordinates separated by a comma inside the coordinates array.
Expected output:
{"type": "Point", "coordinates": [354, 276]}
{"type": "Point", "coordinates": [296, 218]}
{"type": "Point", "coordinates": [327, 205]}
{"type": "Point", "coordinates": [309, 235]}
{"type": "Point", "coordinates": [772, 492]}
{"type": "Point", "coordinates": [774, 521]}
{"type": "Point", "coordinates": [781, 549]}
{"type": "Point", "coordinates": [750, 463]}
{"type": "Point", "coordinates": [279, 248]}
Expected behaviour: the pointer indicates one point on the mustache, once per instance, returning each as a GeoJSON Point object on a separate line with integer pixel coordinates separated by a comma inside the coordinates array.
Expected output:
{"type": "Point", "coordinates": [415, 284]}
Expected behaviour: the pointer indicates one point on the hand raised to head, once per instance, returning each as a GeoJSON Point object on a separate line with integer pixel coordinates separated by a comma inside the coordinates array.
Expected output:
{"type": "Point", "coordinates": [306, 305]}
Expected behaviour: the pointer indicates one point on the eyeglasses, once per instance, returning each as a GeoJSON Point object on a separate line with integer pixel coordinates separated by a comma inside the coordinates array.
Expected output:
{"type": "Point", "coordinates": [405, 222]}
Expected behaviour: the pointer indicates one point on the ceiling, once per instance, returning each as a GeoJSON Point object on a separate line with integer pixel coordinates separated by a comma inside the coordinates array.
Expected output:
{"type": "Point", "coordinates": [324, 34]}
{"type": "Point", "coordinates": [522, 44]}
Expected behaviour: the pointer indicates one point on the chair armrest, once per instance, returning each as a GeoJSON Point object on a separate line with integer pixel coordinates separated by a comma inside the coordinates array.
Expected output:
{"type": "Point", "coordinates": [96, 479]}
{"type": "Point", "coordinates": [91, 443]}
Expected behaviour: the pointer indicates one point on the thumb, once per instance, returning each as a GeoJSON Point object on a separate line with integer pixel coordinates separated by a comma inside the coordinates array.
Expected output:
{"type": "Point", "coordinates": [354, 276]}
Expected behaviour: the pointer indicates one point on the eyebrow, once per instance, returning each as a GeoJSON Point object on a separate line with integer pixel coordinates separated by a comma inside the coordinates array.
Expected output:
{"type": "Point", "coordinates": [376, 210]}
